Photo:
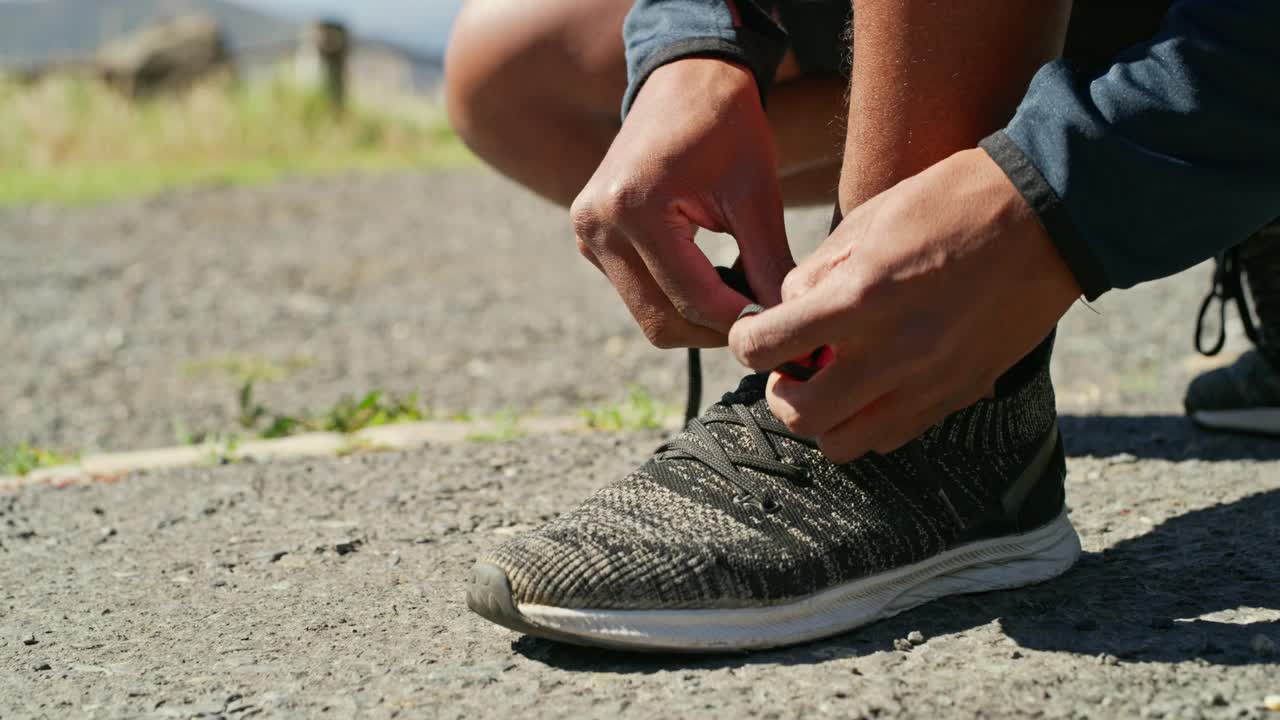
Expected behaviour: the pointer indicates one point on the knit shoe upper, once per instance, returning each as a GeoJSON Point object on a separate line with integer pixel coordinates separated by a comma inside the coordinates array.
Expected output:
{"type": "Point", "coordinates": [738, 512]}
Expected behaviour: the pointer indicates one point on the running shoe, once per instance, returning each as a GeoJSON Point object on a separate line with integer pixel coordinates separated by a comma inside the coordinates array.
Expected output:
{"type": "Point", "coordinates": [1244, 396]}
{"type": "Point", "coordinates": [739, 534]}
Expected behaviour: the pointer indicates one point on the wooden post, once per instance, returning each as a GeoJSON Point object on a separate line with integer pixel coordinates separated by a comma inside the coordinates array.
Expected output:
{"type": "Point", "coordinates": [332, 43]}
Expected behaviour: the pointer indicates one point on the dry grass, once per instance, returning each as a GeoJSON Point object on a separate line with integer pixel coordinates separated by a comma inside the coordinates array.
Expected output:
{"type": "Point", "coordinates": [71, 140]}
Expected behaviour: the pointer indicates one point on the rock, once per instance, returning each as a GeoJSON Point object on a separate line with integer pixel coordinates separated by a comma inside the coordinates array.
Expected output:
{"type": "Point", "coordinates": [1108, 659]}
{"type": "Point", "coordinates": [170, 55]}
{"type": "Point", "coordinates": [902, 644]}
{"type": "Point", "coordinates": [1215, 699]}
{"type": "Point", "coordinates": [1263, 645]}
{"type": "Point", "coordinates": [915, 637]}
{"type": "Point", "coordinates": [29, 640]}
{"type": "Point", "coordinates": [41, 666]}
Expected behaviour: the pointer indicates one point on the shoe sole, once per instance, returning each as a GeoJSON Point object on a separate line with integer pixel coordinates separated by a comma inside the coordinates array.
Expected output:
{"type": "Point", "coordinates": [1256, 421]}
{"type": "Point", "coordinates": [997, 564]}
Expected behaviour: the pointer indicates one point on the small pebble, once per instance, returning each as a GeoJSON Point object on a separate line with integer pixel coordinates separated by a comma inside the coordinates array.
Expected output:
{"type": "Point", "coordinates": [903, 645]}
{"type": "Point", "coordinates": [1263, 645]}
{"type": "Point", "coordinates": [42, 666]}
{"type": "Point", "coordinates": [29, 640]}
{"type": "Point", "coordinates": [915, 637]}
{"type": "Point", "coordinates": [1108, 659]}
{"type": "Point", "coordinates": [1015, 655]}
{"type": "Point", "coordinates": [1215, 699]}
{"type": "Point", "coordinates": [1272, 702]}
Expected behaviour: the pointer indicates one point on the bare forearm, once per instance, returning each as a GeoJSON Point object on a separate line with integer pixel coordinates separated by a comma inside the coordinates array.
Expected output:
{"type": "Point", "coordinates": [932, 77]}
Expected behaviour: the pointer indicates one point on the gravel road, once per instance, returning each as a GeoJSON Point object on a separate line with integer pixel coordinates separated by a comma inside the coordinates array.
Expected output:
{"type": "Point", "coordinates": [334, 587]}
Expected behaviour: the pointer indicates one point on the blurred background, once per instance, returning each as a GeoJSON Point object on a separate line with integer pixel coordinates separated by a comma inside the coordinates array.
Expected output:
{"type": "Point", "coordinates": [256, 87]}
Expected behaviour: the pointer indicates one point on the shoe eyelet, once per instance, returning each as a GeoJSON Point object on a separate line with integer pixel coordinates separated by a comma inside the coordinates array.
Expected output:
{"type": "Point", "coordinates": [770, 506]}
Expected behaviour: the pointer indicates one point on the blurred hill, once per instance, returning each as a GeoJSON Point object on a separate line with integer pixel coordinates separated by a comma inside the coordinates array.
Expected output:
{"type": "Point", "coordinates": [34, 31]}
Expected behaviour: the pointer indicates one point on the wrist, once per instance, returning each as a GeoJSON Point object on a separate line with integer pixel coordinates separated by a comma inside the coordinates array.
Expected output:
{"type": "Point", "coordinates": [1028, 237]}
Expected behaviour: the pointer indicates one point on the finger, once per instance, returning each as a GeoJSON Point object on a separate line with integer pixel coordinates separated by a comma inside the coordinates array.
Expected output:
{"type": "Point", "coordinates": [661, 322]}
{"type": "Point", "coordinates": [793, 329]}
{"type": "Point", "coordinates": [584, 249]}
{"type": "Point", "coordinates": [882, 427]}
{"type": "Point", "coordinates": [687, 278]}
{"type": "Point", "coordinates": [842, 389]}
{"type": "Point", "coordinates": [764, 251]}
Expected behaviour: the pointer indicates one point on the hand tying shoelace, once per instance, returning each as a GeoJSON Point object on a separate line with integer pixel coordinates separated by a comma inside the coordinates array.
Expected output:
{"type": "Point", "coordinates": [798, 369]}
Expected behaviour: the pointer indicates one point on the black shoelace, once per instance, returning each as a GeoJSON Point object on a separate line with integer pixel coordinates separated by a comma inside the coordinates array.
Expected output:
{"type": "Point", "coordinates": [764, 456]}
{"type": "Point", "coordinates": [1227, 287]}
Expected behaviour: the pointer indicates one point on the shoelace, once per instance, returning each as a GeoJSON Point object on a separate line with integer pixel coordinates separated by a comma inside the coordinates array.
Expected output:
{"type": "Point", "coordinates": [1227, 287]}
{"type": "Point", "coordinates": [728, 464]}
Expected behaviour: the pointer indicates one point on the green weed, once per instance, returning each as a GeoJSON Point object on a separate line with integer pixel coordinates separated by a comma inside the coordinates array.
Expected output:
{"type": "Point", "coordinates": [23, 459]}
{"type": "Point", "coordinates": [506, 427]}
{"type": "Point", "coordinates": [348, 416]}
{"type": "Point", "coordinates": [638, 412]}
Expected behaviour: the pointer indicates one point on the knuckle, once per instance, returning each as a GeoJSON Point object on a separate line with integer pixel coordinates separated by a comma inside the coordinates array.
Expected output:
{"type": "Point", "coordinates": [794, 285]}
{"type": "Point", "coordinates": [587, 219]}
{"type": "Point", "coordinates": [584, 249]}
{"type": "Point", "coordinates": [747, 345]}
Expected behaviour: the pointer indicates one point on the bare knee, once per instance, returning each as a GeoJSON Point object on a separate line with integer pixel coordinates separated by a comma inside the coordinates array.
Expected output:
{"type": "Point", "coordinates": [510, 62]}
{"type": "Point", "coordinates": [478, 63]}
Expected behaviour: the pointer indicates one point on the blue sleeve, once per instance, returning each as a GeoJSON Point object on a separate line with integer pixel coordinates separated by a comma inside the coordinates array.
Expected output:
{"type": "Point", "coordinates": [1169, 157]}
{"type": "Point", "coordinates": [657, 32]}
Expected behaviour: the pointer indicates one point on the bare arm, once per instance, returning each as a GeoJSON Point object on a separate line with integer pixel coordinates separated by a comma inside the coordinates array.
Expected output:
{"type": "Point", "coordinates": [933, 77]}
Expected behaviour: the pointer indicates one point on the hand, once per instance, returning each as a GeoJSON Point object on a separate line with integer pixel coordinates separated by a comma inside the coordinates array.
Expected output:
{"type": "Point", "coordinates": [925, 294]}
{"type": "Point", "coordinates": [695, 151]}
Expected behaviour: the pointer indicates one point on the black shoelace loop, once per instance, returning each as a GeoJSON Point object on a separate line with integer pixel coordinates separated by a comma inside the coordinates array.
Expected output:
{"type": "Point", "coordinates": [764, 456]}
{"type": "Point", "coordinates": [1227, 288]}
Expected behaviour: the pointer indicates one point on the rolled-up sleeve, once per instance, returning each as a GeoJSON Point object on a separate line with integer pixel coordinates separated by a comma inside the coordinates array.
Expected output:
{"type": "Point", "coordinates": [657, 32]}
{"type": "Point", "coordinates": [1170, 156]}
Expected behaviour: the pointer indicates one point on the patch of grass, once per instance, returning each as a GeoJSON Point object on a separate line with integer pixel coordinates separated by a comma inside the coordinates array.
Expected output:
{"type": "Point", "coordinates": [71, 140]}
{"type": "Point", "coordinates": [348, 416]}
{"type": "Point", "coordinates": [23, 459]}
{"type": "Point", "coordinates": [638, 412]}
{"type": "Point", "coordinates": [506, 427]}
{"type": "Point", "coordinates": [222, 450]}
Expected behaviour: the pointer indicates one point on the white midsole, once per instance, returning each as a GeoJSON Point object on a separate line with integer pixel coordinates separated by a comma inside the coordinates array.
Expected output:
{"type": "Point", "coordinates": [1005, 562]}
{"type": "Point", "coordinates": [1258, 420]}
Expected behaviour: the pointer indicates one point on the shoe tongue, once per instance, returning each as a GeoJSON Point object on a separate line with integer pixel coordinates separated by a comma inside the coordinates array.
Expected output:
{"type": "Point", "coordinates": [749, 392]}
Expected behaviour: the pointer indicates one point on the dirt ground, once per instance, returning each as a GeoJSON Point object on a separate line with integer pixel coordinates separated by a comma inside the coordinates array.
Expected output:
{"type": "Point", "coordinates": [335, 587]}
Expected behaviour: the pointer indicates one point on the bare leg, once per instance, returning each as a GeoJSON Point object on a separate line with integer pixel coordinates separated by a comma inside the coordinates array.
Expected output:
{"type": "Point", "coordinates": [534, 88]}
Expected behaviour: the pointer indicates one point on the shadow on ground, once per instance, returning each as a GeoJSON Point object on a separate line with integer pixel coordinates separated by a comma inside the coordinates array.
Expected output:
{"type": "Point", "coordinates": [1141, 600]}
{"type": "Point", "coordinates": [1160, 437]}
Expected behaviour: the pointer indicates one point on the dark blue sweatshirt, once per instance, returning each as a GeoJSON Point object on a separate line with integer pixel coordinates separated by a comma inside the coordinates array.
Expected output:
{"type": "Point", "coordinates": [1162, 160]}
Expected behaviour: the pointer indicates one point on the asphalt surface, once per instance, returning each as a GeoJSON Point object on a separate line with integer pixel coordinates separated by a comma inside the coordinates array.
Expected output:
{"type": "Point", "coordinates": [334, 587]}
